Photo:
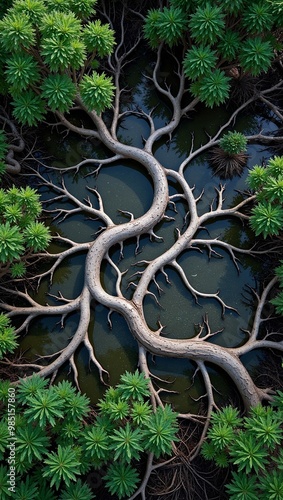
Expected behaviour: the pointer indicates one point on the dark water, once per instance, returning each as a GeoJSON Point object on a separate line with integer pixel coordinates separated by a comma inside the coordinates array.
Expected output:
{"type": "Point", "coordinates": [126, 186]}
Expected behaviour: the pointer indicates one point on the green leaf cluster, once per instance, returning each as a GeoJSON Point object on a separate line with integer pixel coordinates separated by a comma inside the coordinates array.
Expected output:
{"type": "Point", "coordinates": [233, 143]}
{"type": "Point", "coordinates": [217, 36]}
{"type": "Point", "coordinates": [48, 46]}
{"type": "Point", "coordinates": [267, 182]}
{"type": "Point", "coordinates": [20, 231]}
{"type": "Point", "coordinates": [252, 447]}
{"type": "Point", "coordinates": [8, 337]}
{"type": "Point", "coordinates": [59, 440]}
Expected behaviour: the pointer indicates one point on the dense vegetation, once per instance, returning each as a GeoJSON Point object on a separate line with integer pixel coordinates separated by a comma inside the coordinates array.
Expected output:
{"type": "Point", "coordinates": [61, 57]}
{"type": "Point", "coordinates": [252, 445]}
{"type": "Point", "coordinates": [60, 440]}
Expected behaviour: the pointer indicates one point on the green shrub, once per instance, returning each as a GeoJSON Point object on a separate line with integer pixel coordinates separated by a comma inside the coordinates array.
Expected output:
{"type": "Point", "coordinates": [267, 182]}
{"type": "Point", "coordinates": [233, 143]}
{"type": "Point", "coordinates": [252, 447]}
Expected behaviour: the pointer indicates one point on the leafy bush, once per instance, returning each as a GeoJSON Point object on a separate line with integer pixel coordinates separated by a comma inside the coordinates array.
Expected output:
{"type": "Point", "coordinates": [233, 143]}
{"type": "Point", "coordinates": [230, 157]}
{"type": "Point", "coordinates": [8, 341]}
{"type": "Point", "coordinates": [58, 439]}
{"type": "Point", "coordinates": [217, 35]}
{"type": "Point", "coordinates": [252, 447]}
{"type": "Point", "coordinates": [49, 49]}
{"type": "Point", "coordinates": [20, 232]}
{"type": "Point", "coordinates": [267, 182]}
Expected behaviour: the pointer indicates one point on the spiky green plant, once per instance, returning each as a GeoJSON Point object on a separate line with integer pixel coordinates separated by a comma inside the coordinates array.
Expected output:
{"type": "Point", "coordinates": [255, 55]}
{"type": "Point", "coordinates": [121, 479]}
{"type": "Point", "coordinates": [242, 487]}
{"type": "Point", "coordinates": [171, 25]}
{"type": "Point", "coordinates": [56, 427]}
{"type": "Point", "coordinates": [257, 17]}
{"type": "Point", "coordinates": [8, 337]}
{"type": "Point", "coordinates": [151, 28]}
{"type": "Point", "coordinates": [126, 443]}
{"type": "Point", "coordinates": [133, 385]}
{"type": "Point", "coordinates": [233, 143]}
{"type": "Point", "coordinates": [198, 61]}
{"type": "Point", "coordinates": [266, 219]}
{"type": "Point", "coordinates": [96, 441]}
{"type": "Point", "coordinates": [29, 387]}
{"type": "Point", "coordinates": [254, 452]}
{"type": "Point", "coordinates": [257, 177]}
{"type": "Point", "coordinates": [28, 107]}
{"type": "Point", "coordinates": [212, 89]}
{"type": "Point", "coordinates": [61, 466]}
{"type": "Point", "coordinates": [97, 91]}
{"type": "Point", "coordinates": [98, 38]}
{"type": "Point", "coordinates": [160, 431]}
{"type": "Point", "coordinates": [44, 407]}
{"type": "Point", "coordinates": [32, 443]}
{"type": "Point", "coordinates": [37, 236]}
{"type": "Point", "coordinates": [59, 91]}
{"type": "Point", "coordinates": [207, 24]}
{"type": "Point", "coordinates": [11, 242]}
{"type": "Point", "coordinates": [17, 32]}
{"type": "Point", "coordinates": [18, 270]}
{"type": "Point", "coordinates": [78, 491]}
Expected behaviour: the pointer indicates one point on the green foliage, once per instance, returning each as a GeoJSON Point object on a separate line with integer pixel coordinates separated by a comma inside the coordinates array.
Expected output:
{"type": "Point", "coordinates": [20, 231]}
{"type": "Point", "coordinates": [212, 89]}
{"type": "Point", "coordinates": [151, 28]}
{"type": "Point", "coordinates": [61, 466]}
{"type": "Point", "coordinates": [8, 338]}
{"type": "Point", "coordinates": [233, 143]}
{"type": "Point", "coordinates": [160, 431]}
{"type": "Point", "coordinates": [133, 385]}
{"type": "Point", "coordinates": [44, 407]}
{"type": "Point", "coordinates": [59, 440]}
{"type": "Point", "coordinates": [11, 242]}
{"type": "Point", "coordinates": [31, 443]}
{"type": "Point", "coordinates": [97, 91]}
{"type": "Point", "coordinates": [266, 219]}
{"type": "Point", "coordinates": [28, 107]}
{"type": "Point", "coordinates": [255, 55]}
{"type": "Point", "coordinates": [78, 491]}
{"type": "Point", "coordinates": [59, 91]}
{"type": "Point", "coordinates": [198, 61]}
{"type": "Point", "coordinates": [49, 47]}
{"type": "Point", "coordinates": [242, 487]}
{"type": "Point", "coordinates": [267, 215]}
{"type": "Point", "coordinates": [29, 387]}
{"type": "Point", "coordinates": [98, 38]}
{"type": "Point", "coordinates": [229, 45]}
{"type": "Point", "coordinates": [253, 451]}
{"type": "Point", "coordinates": [37, 236]}
{"type": "Point", "coordinates": [257, 17]}
{"type": "Point", "coordinates": [219, 35]}
{"type": "Point", "coordinates": [171, 25]}
{"type": "Point", "coordinates": [207, 24]}
{"type": "Point", "coordinates": [33, 9]}
{"type": "Point", "coordinates": [121, 479]}
{"type": "Point", "coordinates": [16, 32]}
{"type": "Point", "coordinates": [18, 270]}
{"type": "Point", "coordinates": [257, 177]}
